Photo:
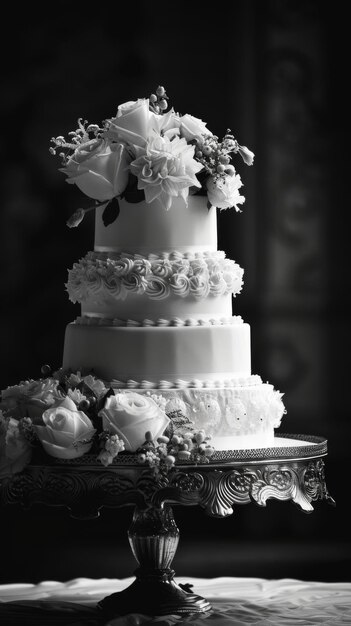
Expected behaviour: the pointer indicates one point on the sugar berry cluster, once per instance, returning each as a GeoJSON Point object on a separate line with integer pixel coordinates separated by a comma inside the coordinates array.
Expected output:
{"type": "Point", "coordinates": [158, 101]}
{"type": "Point", "coordinates": [190, 447]}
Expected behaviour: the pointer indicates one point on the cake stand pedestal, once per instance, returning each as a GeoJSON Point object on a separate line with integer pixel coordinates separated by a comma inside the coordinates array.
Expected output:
{"type": "Point", "coordinates": [293, 469]}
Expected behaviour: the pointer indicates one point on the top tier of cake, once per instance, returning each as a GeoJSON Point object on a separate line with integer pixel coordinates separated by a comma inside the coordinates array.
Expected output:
{"type": "Point", "coordinates": [147, 229]}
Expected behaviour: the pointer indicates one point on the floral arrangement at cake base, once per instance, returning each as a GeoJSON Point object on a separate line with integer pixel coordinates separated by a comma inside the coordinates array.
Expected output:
{"type": "Point", "coordinates": [67, 415]}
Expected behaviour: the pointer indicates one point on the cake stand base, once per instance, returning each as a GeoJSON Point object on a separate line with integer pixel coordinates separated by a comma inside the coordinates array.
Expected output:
{"type": "Point", "coordinates": [154, 597]}
{"type": "Point", "coordinates": [153, 537]}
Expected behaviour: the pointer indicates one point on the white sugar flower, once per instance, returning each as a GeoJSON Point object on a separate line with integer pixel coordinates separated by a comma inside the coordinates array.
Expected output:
{"type": "Point", "coordinates": [99, 170]}
{"type": "Point", "coordinates": [66, 433]}
{"type": "Point", "coordinates": [223, 192]}
{"type": "Point", "coordinates": [129, 415]}
{"type": "Point", "coordinates": [193, 128]}
{"type": "Point", "coordinates": [166, 170]}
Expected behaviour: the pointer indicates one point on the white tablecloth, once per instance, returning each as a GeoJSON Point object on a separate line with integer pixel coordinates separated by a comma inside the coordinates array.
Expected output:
{"type": "Point", "coordinates": [235, 602]}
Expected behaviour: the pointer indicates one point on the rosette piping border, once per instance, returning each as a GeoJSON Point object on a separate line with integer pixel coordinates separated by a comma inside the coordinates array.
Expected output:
{"type": "Point", "coordinates": [184, 275]}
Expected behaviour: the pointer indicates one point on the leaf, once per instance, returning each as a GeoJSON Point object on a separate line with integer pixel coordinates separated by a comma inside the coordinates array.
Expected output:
{"type": "Point", "coordinates": [111, 212]}
{"type": "Point", "coordinates": [102, 401]}
{"type": "Point", "coordinates": [85, 389]}
{"type": "Point", "coordinates": [209, 205]}
{"type": "Point", "coordinates": [131, 193]}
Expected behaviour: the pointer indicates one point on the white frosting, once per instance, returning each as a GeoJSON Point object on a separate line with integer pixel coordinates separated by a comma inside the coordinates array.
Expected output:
{"type": "Point", "coordinates": [114, 284]}
{"type": "Point", "coordinates": [159, 353]}
{"type": "Point", "coordinates": [142, 228]}
{"type": "Point", "coordinates": [140, 306]}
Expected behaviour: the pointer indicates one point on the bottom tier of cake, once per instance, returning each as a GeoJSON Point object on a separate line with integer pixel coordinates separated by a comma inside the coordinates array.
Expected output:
{"type": "Point", "coordinates": [239, 417]}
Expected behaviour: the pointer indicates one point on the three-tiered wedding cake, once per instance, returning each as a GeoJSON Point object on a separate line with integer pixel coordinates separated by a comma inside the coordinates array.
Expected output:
{"type": "Point", "coordinates": [156, 363]}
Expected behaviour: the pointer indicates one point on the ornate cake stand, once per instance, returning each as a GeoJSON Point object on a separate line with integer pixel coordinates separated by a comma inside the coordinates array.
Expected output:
{"type": "Point", "coordinates": [291, 470]}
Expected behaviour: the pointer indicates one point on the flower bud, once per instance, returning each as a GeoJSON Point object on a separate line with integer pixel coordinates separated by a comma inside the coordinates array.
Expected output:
{"type": "Point", "coordinates": [170, 460]}
{"type": "Point", "coordinates": [84, 405]}
{"type": "Point", "coordinates": [45, 370]}
{"type": "Point", "coordinates": [224, 158]}
{"type": "Point", "coordinates": [76, 218]}
{"type": "Point", "coordinates": [183, 455]}
{"type": "Point", "coordinates": [163, 104]}
{"type": "Point", "coordinates": [230, 170]}
{"type": "Point", "coordinates": [160, 91]}
{"type": "Point", "coordinates": [176, 440]}
{"type": "Point", "coordinates": [246, 155]}
{"type": "Point", "coordinates": [163, 439]}
{"type": "Point", "coordinates": [189, 441]}
{"type": "Point", "coordinates": [200, 437]}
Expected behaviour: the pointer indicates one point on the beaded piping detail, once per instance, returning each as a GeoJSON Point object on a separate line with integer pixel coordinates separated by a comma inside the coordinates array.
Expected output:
{"type": "Point", "coordinates": [238, 382]}
{"type": "Point", "coordinates": [196, 275]}
{"type": "Point", "coordinates": [87, 320]}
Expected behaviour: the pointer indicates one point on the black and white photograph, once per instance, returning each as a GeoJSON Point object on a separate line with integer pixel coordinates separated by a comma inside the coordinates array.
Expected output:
{"type": "Point", "coordinates": [175, 341]}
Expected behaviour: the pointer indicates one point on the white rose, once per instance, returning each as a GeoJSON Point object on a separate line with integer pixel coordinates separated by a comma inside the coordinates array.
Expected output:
{"type": "Point", "coordinates": [131, 415]}
{"type": "Point", "coordinates": [166, 124]}
{"type": "Point", "coordinates": [223, 193]}
{"type": "Point", "coordinates": [193, 128]}
{"type": "Point", "coordinates": [15, 450]}
{"type": "Point", "coordinates": [131, 123]}
{"type": "Point", "coordinates": [67, 433]}
{"type": "Point", "coordinates": [100, 171]}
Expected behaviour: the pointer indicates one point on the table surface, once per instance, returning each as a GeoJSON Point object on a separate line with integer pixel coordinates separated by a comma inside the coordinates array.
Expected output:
{"type": "Point", "coordinates": [235, 602]}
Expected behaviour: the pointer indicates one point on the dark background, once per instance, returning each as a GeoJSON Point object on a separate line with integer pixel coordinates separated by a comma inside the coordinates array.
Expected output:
{"type": "Point", "coordinates": [276, 73]}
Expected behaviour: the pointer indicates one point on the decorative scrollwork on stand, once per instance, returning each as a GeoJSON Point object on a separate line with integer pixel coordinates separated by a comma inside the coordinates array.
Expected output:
{"type": "Point", "coordinates": [84, 489]}
{"type": "Point", "coordinates": [217, 491]}
{"type": "Point", "coordinates": [223, 489]}
{"type": "Point", "coordinates": [314, 481]}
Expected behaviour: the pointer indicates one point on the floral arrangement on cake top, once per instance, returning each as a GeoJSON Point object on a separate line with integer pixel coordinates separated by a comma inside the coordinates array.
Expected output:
{"type": "Point", "coordinates": [67, 415]}
{"type": "Point", "coordinates": [148, 153]}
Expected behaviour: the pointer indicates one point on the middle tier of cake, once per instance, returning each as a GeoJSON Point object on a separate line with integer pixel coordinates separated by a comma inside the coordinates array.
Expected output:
{"type": "Point", "coordinates": [159, 355]}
